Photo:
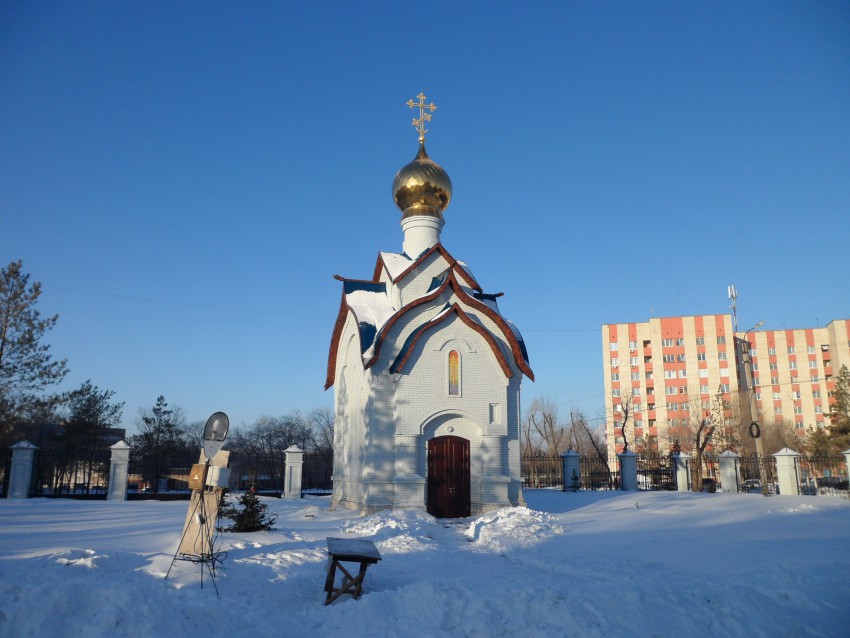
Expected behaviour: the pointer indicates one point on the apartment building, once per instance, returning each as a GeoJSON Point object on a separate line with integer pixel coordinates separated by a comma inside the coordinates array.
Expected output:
{"type": "Point", "coordinates": [663, 376]}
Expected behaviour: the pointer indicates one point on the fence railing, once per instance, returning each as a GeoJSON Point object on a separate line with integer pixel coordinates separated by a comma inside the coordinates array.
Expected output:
{"type": "Point", "coordinates": [824, 475]}
{"type": "Point", "coordinates": [542, 471]}
{"type": "Point", "coordinates": [81, 473]}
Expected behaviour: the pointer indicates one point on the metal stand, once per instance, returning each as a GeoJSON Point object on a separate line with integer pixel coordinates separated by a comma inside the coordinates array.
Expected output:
{"type": "Point", "coordinates": [204, 529]}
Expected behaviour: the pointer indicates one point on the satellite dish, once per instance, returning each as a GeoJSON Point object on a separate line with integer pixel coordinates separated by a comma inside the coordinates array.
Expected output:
{"type": "Point", "coordinates": [215, 431]}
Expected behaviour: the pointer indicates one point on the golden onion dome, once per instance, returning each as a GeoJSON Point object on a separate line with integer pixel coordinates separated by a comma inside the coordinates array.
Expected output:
{"type": "Point", "coordinates": [422, 187]}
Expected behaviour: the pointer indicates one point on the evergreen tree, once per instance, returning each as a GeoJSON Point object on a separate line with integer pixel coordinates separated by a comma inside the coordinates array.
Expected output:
{"type": "Point", "coordinates": [253, 517]}
{"type": "Point", "coordinates": [26, 366]}
{"type": "Point", "coordinates": [575, 482]}
{"type": "Point", "coordinates": [160, 438]}
{"type": "Point", "coordinates": [839, 429]}
{"type": "Point", "coordinates": [91, 413]}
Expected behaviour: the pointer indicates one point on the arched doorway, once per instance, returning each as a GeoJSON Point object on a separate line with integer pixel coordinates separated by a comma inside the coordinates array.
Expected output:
{"type": "Point", "coordinates": [448, 477]}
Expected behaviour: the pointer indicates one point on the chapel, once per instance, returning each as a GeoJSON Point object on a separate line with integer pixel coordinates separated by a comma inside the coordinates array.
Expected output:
{"type": "Point", "coordinates": [427, 372]}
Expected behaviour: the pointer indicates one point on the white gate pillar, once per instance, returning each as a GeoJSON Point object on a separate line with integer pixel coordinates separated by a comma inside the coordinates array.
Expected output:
{"type": "Point", "coordinates": [846, 454]}
{"type": "Point", "coordinates": [682, 471]}
{"type": "Point", "coordinates": [119, 465]}
{"type": "Point", "coordinates": [20, 475]}
{"type": "Point", "coordinates": [729, 472]}
{"type": "Point", "coordinates": [292, 476]}
{"type": "Point", "coordinates": [572, 470]}
{"type": "Point", "coordinates": [628, 471]}
{"type": "Point", "coordinates": [786, 472]}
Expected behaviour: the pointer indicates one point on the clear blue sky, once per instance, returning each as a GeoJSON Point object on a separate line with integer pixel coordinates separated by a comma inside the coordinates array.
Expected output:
{"type": "Point", "coordinates": [186, 178]}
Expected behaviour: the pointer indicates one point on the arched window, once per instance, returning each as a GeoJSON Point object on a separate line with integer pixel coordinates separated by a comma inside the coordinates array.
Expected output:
{"type": "Point", "coordinates": [454, 373]}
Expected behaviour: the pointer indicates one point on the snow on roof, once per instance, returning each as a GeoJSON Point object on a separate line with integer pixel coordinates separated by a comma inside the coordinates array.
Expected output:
{"type": "Point", "coordinates": [466, 269]}
{"type": "Point", "coordinates": [372, 309]}
{"type": "Point", "coordinates": [395, 263]}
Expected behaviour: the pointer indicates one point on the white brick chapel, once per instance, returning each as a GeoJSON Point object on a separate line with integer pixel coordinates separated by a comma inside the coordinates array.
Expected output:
{"type": "Point", "coordinates": [426, 370]}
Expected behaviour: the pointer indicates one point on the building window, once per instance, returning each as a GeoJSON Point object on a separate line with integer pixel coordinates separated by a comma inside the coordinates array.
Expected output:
{"type": "Point", "coordinates": [798, 409]}
{"type": "Point", "coordinates": [680, 342]}
{"type": "Point", "coordinates": [683, 373]}
{"type": "Point", "coordinates": [815, 378]}
{"type": "Point", "coordinates": [813, 364]}
{"type": "Point", "coordinates": [669, 374]}
{"type": "Point", "coordinates": [683, 389]}
{"type": "Point", "coordinates": [648, 375]}
{"type": "Point", "coordinates": [771, 351]}
{"type": "Point", "coordinates": [700, 341]}
{"type": "Point", "coordinates": [454, 373]}
{"type": "Point", "coordinates": [614, 346]}
{"type": "Point", "coordinates": [721, 340]}
{"type": "Point", "coordinates": [816, 394]}
{"type": "Point", "coordinates": [615, 392]}
{"type": "Point", "coordinates": [755, 367]}
{"type": "Point", "coordinates": [791, 350]}
{"type": "Point", "coordinates": [680, 358]}
{"type": "Point", "coordinates": [670, 389]}
{"type": "Point", "coordinates": [667, 343]}
{"type": "Point", "coordinates": [777, 409]}
{"type": "Point", "coordinates": [724, 387]}
{"type": "Point", "coordinates": [635, 392]}
{"type": "Point", "coordinates": [635, 376]}
{"type": "Point", "coordinates": [774, 380]}
{"type": "Point", "coordinates": [615, 376]}
{"type": "Point", "coordinates": [810, 349]}
{"type": "Point", "coordinates": [615, 363]}
{"type": "Point", "coordinates": [703, 389]}
{"type": "Point", "coordinates": [777, 396]}
{"type": "Point", "coordinates": [721, 356]}
{"type": "Point", "coordinates": [703, 372]}
{"type": "Point", "coordinates": [818, 409]}
{"type": "Point", "coordinates": [792, 365]}
{"type": "Point", "coordinates": [773, 365]}
{"type": "Point", "coordinates": [633, 361]}
{"type": "Point", "coordinates": [632, 345]}
{"type": "Point", "coordinates": [757, 395]}
{"type": "Point", "coordinates": [700, 356]}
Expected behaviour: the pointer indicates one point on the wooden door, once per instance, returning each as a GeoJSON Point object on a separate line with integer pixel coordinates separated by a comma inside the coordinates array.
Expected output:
{"type": "Point", "coordinates": [448, 477]}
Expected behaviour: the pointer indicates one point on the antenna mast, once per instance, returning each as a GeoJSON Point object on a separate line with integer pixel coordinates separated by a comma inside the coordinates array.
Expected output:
{"type": "Point", "coordinates": [733, 295]}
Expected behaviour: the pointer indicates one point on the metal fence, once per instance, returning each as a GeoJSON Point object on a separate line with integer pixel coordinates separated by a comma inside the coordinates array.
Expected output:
{"type": "Point", "coordinates": [655, 472]}
{"type": "Point", "coordinates": [757, 475]}
{"type": "Point", "coordinates": [80, 473]}
{"type": "Point", "coordinates": [822, 475]}
{"type": "Point", "coordinates": [317, 473]}
{"type": "Point", "coordinates": [542, 471]}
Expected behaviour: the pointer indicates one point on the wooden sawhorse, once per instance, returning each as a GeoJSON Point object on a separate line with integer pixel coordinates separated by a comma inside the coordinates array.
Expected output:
{"type": "Point", "coordinates": [349, 550]}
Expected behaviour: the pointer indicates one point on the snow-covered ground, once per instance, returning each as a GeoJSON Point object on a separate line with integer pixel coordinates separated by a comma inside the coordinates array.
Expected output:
{"type": "Point", "coordinates": [586, 564]}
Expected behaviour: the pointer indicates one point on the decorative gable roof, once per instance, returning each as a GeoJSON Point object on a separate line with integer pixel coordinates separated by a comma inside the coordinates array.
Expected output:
{"type": "Point", "coordinates": [454, 310]}
{"type": "Point", "coordinates": [370, 306]}
{"type": "Point", "coordinates": [397, 270]}
{"type": "Point", "coordinates": [451, 283]}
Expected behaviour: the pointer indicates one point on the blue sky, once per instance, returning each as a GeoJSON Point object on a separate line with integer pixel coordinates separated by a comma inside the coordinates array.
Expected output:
{"type": "Point", "coordinates": [186, 178]}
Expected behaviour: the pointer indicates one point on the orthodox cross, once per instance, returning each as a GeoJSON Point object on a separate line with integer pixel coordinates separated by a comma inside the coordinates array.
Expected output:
{"type": "Point", "coordinates": [419, 123]}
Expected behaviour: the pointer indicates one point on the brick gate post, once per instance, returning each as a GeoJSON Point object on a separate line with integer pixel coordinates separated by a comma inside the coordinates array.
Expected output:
{"type": "Point", "coordinates": [572, 465]}
{"type": "Point", "coordinates": [729, 475]}
{"type": "Point", "coordinates": [20, 475]}
{"type": "Point", "coordinates": [292, 476]}
{"type": "Point", "coordinates": [119, 465]}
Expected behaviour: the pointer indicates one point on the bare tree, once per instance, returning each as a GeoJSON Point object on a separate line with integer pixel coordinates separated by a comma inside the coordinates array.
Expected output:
{"type": "Point", "coordinates": [542, 434]}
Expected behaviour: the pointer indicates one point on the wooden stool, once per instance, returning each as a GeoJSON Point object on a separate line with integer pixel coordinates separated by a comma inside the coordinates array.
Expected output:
{"type": "Point", "coordinates": [349, 550]}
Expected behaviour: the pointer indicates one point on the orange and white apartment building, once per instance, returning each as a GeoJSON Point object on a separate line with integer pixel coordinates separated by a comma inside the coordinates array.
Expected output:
{"type": "Point", "coordinates": [666, 372]}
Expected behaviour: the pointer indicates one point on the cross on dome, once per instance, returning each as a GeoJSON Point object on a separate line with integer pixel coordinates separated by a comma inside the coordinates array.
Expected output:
{"type": "Point", "coordinates": [419, 123]}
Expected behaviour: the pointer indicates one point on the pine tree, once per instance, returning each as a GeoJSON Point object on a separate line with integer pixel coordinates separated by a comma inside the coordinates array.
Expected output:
{"type": "Point", "coordinates": [839, 429]}
{"type": "Point", "coordinates": [27, 368]}
{"type": "Point", "coordinates": [253, 517]}
{"type": "Point", "coordinates": [575, 482]}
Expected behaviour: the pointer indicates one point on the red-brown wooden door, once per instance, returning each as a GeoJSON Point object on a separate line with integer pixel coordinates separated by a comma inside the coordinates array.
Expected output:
{"type": "Point", "coordinates": [448, 477]}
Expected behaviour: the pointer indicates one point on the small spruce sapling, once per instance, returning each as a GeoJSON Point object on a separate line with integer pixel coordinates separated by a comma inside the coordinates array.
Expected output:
{"type": "Point", "coordinates": [253, 517]}
{"type": "Point", "coordinates": [575, 482]}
